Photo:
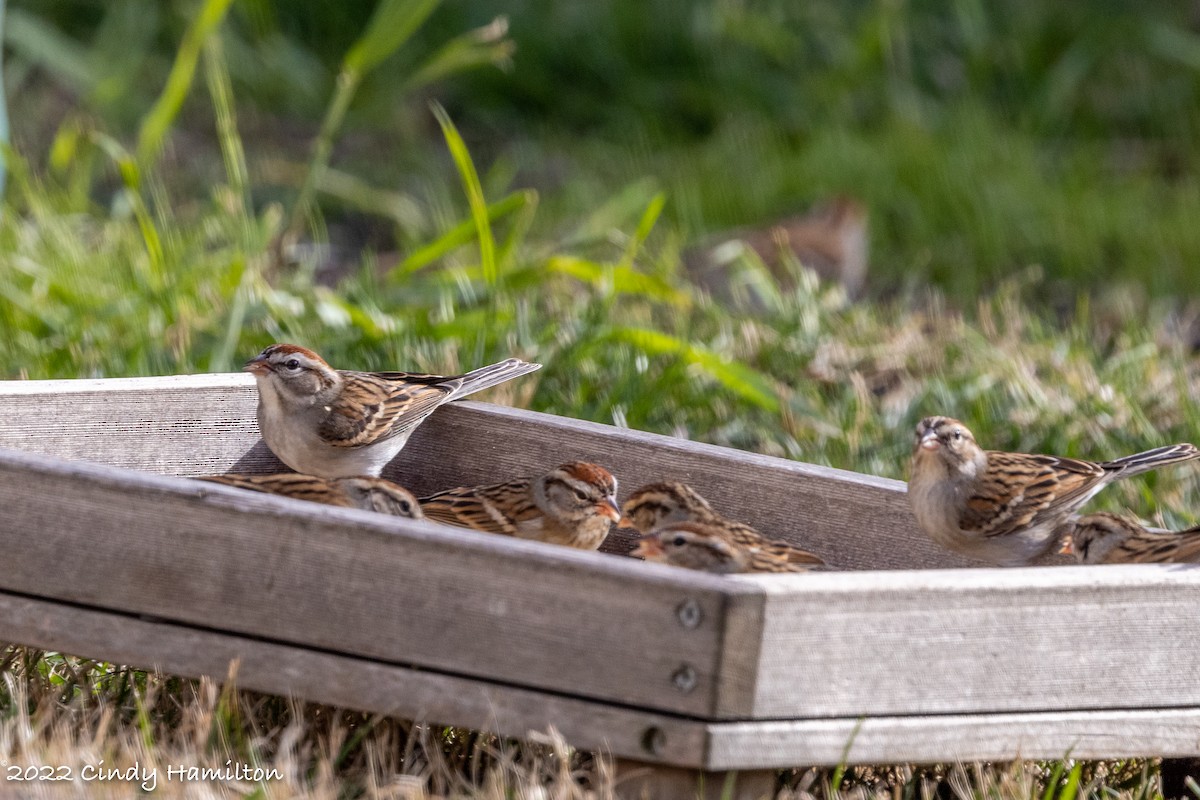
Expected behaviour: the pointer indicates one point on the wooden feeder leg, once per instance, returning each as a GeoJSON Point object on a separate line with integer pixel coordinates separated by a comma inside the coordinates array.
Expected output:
{"type": "Point", "coordinates": [637, 780]}
{"type": "Point", "coordinates": [1174, 773]}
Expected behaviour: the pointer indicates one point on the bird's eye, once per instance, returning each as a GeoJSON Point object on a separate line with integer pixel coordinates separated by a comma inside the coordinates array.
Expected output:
{"type": "Point", "coordinates": [580, 493]}
{"type": "Point", "coordinates": [679, 541]}
{"type": "Point", "coordinates": [957, 434]}
{"type": "Point", "coordinates": [292, 364]}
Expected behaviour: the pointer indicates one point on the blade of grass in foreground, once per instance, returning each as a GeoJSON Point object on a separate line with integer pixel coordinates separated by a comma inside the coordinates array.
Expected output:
{"type": "Point", "coordinates": [744, 381]}
{"type": "Point", "coordinates": [624, 279]}
{"type": "Point", "coordinates": [476, 48]}
{"type": "Point", "coordinates": [392, 24]}
{"type": "Point", "coordinates": [470, 179]}
{"type": "Point", "coordinates": [156, 124]}
{"type": "Point", "coordinates": [462, 233]}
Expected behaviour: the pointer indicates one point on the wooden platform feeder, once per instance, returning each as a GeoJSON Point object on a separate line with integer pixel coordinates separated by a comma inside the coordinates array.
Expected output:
{"type": "Point", "coordinates": [110, 553]}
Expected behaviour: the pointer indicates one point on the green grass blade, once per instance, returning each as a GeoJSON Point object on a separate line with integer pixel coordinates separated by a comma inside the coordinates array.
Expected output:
{"type": "Point", "coordinates": [1071, 790]}
{"type": "Point", "coordinates": [506, 256]}
{"type": "Point", "coordinates": [3, 105]}
{"type": "Point", "coordinates": [347, 85]}
{"type": "Point", "coordinates": [462, 233]}
{"type": "Point", "coordinates": [738, 378]}
{"type": "Point", "coordinates": [474, 190]}
{"type": "Point", "coordinates": [839, 772]}
{"type": "Point", "coordinates": [481, 47]}
{"type": "Point", "coordinates": [611, 212]}
{"type": "Point", "coordinates": [623, 279]}
{"type": "Point", "coordinates": [221, 92]}
{"type": "Point", "coordinates": [1055, 777]}
{"type": "Point", "coordinates": [131, 176]}
{"type": "Point", "coordinates": [156, 123]}
{"type": "Point", "coordinates": [401, 208]}
{"type": "Point", "coordinates": [393, 22]}
{"type": "Point", "coordinates": [645, 225]}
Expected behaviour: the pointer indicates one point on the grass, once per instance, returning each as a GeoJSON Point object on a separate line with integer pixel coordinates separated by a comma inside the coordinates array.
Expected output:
{"type": "Point", "coordinates": [1029, 257]}
{"type": "Point", "coordinates": [85, 719]}
{"type": "Point", "coordinates": [91, 717]}
{"type": "Point", "coordinates": [983, 140]}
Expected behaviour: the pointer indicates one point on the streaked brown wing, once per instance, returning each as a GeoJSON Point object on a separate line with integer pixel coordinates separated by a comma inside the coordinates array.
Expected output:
{"type": "Point", "coordinates": [762, 561]}
{"type": "Point", "coordinates": [1159, 548]}
{"type": "Point", "coordinates": [1188, 548]}
{"type": "Point", "coordinates": [790, 553]}
{"type": "Point", "coordinates": [375, 407]}
{"type": "Point", "coordinates": [773, 548]}
{"type": "Point", "coordinates": [288, 484]}
{"type": "Point", "coordinates": [498, 508]}
{"type": "Point", "coordinates": [1017, 488]}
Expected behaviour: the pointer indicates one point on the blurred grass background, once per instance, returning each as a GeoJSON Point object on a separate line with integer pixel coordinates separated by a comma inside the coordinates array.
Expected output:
{"type": "Point", "coordinates": [428, 185]}
{"type": "Point", "coordinates": [983, 138]}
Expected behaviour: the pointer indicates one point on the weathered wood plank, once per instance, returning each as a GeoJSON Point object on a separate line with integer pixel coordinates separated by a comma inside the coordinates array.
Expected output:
{"type": "Point", "coordinates": [363, 584]}
{"type": "Point", "coordinates": [345, 681]}
{"type": "Point", "coordinates": [445, 699]}
{"type": "Point", "coordinates": [831, 645]}
{"type": "Point", "coordinates": [1084, 735]}
{"type": "Point", "coordinates": [200, 424]}
{"type": "Point", "coordinates": [981, 640]}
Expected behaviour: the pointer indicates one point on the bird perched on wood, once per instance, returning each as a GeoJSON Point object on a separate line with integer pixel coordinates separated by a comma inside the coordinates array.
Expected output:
{"type": "Point", "coordinates": [369, 494]}
{"type": "Point", "coordinates": [573, 505]}
{"type": "Point", "coordinates": [1007, 508]}
{"type": "Point", "coordinates": [339, 423]}
{"type": "Point", "coordinates": [708, 548]}
{"type": "Point", "coordinates": [657, 504]}
{"type": "Point", "coordinates": [1110, 539]}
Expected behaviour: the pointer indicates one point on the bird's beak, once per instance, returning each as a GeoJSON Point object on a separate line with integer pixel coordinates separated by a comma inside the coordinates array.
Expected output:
{"type": "Point", "coordinates": [649, 547]}
{"type": "Point", "coordinates": [929, 441]}
{"type": "Point", "coordinates": [610, 509]}
{"type": "Point", "coordinates": [1068, 547]}
{"type": "Point", "coordinates": [258, 365]}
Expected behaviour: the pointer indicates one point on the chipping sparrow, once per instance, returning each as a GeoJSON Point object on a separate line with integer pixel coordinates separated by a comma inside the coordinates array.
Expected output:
{"type": "Point", "coordinates": [705, 547]}
{"type": "Point", "coordinates": [657, 504]}
{"type": "Point", "coordinates": [831, 239]}
{"type": "Point", "coordinates": [1007, 508]}
{"type": "Point", "coordinates": [572, 505]}
{"type": "Point", "coordinates": [369, 494]}
{"type": "Point", "coordinates": [338, 423]}
{"type": "Point", "coordinates": [1109, 539]}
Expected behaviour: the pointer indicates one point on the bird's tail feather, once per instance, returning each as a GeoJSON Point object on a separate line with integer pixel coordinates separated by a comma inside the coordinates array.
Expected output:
{"type": "Point", "coordinates": [1152, 459]}
{"type": "Point", "coordinates": [489, 376]}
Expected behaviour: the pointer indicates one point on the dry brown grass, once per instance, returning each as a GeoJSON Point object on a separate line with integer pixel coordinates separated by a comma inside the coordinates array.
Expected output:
{"type": "Point", "coordinates": [79, 717]}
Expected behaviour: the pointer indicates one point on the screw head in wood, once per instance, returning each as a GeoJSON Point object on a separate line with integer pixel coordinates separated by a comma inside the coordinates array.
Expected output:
{"type": "Point", "coordinates": [684, 679]}
{"type": "Point", "coordinates": [654, 739]}
{"type": "Point", "coordinates": [689, 613]}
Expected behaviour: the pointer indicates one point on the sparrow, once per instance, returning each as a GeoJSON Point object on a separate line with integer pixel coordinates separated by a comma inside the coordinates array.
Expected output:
{"type": "Point", "coordinates": [657, 504]}
{"type": "Point", "coordinates": [707, 548]}
{"type": "Point", "coordinates": [1007, 508]}
{"type": "Point", "coordinates": [572, 505]}
{"type": "Point", "coordinates": [831, 239]}
{"type": "Point", "coordinates": [338, 423]}
{"type": "Point", "coordinates": [369, 494]}
{"type": "Point", "coordinates": [1110, 539]}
